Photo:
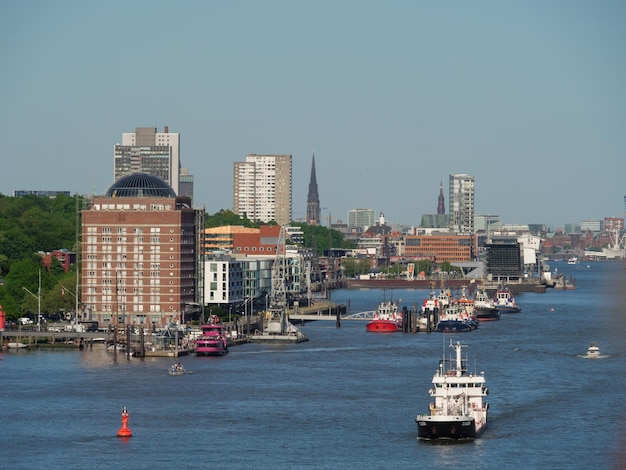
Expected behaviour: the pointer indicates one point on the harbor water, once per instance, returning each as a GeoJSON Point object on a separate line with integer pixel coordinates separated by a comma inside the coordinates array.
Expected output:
{"type": "Point", "coordinates": [344, 399]}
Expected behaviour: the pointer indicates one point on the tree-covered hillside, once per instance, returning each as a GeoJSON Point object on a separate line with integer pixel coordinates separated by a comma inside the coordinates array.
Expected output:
{"type": "Point", "coordinates": [32, 224]}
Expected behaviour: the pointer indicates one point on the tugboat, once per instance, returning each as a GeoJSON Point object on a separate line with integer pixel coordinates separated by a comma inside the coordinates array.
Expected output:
{"type": "Point", "coordinates": [455, 319]}
{"type": "Point", "coordinates": [387, 318]}
{"type": "Point", "coordinates": [484, 307]}
{"type": "Point", "coordinates": [458, 411]}
{"type": "Point", "coordinates": [505, 302]}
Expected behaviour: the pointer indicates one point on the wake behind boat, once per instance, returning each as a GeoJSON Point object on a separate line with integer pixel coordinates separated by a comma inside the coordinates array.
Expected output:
{"type": "Point", "coordinates": [593, 352]}
{"type": "Point", "coordinates": [458, 411]}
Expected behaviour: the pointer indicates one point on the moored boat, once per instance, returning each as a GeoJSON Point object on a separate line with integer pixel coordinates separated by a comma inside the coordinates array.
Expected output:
{"type": "Point", "coordinates": [213, 341]}
{"type": "Point", "coordinates": [505, 301]}
{"type": "Point", "coordinates": [17, 345]}
{"type": "Point", "coordinates": [455, 319]}
{"type": "Point", "coordinates": [458, 411]}
{"type": "Point", "coordinates": [484, 307]}
{"type": "Point", "coordinates": [387, 318]}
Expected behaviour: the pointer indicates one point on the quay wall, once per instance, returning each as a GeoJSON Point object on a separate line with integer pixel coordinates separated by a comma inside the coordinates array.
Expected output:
{"type": "Point", "coordinates": [437, 284]}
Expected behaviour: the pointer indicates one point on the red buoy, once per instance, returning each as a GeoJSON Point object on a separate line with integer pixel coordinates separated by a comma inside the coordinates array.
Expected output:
{"type": "Point", "coordinates": [124, 431]}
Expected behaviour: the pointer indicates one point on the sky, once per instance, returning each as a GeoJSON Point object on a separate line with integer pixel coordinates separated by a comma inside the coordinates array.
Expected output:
{"type": "Point", "coordinates": [393, 96]}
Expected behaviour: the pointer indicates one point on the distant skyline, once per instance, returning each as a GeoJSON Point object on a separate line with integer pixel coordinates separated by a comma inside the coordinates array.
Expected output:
{"type": "Point", "coordinates": [526, 96]}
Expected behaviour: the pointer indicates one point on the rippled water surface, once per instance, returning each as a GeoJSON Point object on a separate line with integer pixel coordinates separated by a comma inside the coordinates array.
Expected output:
{"type": "Point", "coordinates": [345, 399]}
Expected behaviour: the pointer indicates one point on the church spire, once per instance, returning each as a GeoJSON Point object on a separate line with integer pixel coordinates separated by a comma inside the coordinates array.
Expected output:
{"type": "Point", "coordinates": [441, 207]}
{"type": "Point", "coordinates": [313, 199]}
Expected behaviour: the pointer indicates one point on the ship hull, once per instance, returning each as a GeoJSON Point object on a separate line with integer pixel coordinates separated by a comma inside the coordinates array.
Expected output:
{"type": "Point", "coordinates": [508, 309]}
{"type": "Point", "coordinates": [382, 326]}
{"type": "Point", "coordinates": [455, 428]}
{"type": "Point", "coordinates": [453, 326]}
{"type": "Point", "coordinates": [210, 349]}
{"type": "Point", "coordinates": [487, 314]}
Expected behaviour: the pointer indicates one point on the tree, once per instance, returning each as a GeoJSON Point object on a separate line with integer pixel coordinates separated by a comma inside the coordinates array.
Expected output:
{"type": "Point", "coordinates": [228, 217]}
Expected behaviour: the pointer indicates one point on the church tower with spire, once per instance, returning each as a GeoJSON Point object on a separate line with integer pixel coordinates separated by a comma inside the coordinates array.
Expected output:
{"type": "Point", "coordinates": [441, 207]}
{"type": "Point", "coordinates": [313, 199]}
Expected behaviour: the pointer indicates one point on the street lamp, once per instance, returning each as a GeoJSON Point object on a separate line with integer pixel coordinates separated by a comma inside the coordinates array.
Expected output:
{"type": "Point", "coordinates": [65, 289]}
{"type": "Point", "coordinates": [38, 297]}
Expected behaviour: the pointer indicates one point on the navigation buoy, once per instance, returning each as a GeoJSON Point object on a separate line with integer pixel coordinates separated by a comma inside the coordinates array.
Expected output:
{"type": "Point", "coordinates": [124, 431]}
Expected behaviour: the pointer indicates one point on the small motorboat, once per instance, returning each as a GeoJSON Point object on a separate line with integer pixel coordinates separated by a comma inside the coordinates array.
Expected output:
{"type": "Point", "coordinates": [593, 350]}
{"type": "Point", "coordinates": [177, 369]}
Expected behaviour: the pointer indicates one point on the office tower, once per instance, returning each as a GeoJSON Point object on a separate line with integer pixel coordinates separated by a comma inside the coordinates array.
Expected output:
{"type": "Point", "coordinates": [151, 152]}
{"type": "Point", "coordinates": [363, 218]}
{"type": "Point", "coordinates": [139, 254]}
{"type": "Point", "coordinates": [461, 204]}
{"type": "Point", "coordinates": [262, 188]}
{"type": "Point", "coordinates": [313, 199]}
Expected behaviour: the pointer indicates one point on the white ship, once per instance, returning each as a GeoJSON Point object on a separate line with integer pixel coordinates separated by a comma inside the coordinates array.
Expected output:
{"type": "Point", "coordinates": [458, 411]}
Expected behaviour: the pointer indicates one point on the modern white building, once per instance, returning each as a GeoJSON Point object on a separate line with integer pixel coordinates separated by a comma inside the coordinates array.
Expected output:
{"type": "Point", "coordinates": [461, 203]}
{"type": "Point", "coordinates": [151, 152]}
{"type": "Point", "coordinates": [487, 223]}
{"type": "Point", "coordinates": [232, 280]}
{"type": "Point", "coordinates": [592, 225]}
{"type": "Point", "coordinates": [363, 218]}
{"type": "Point", "coordinates": [262, 188]}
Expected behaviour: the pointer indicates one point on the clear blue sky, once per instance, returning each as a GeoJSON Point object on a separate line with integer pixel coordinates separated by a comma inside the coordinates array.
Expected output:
{"type": "Point", "coordinates": [527, 96]}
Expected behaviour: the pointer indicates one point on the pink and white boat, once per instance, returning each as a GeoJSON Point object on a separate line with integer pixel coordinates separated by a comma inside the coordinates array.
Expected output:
{"type": "Point", "coordinates": [213, 341]}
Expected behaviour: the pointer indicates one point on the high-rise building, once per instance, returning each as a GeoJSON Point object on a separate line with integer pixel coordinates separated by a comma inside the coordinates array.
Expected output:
{"type": "Point", "coordinates": [313, 199]}
{"type": "Point", "coordinates": [461, 203]}
{"type": "Point", "coordinates": [140, 262]}
{"type": "Point", "coordinates": [362, 218]}
{"type": "Point", "coordinates": [262, 188]}
{"type": "Point", "coordinates": [154, 153]}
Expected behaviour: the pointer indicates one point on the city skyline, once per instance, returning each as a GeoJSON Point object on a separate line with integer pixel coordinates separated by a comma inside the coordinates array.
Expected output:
{"type": "Point", "coordinates": [393, 97]}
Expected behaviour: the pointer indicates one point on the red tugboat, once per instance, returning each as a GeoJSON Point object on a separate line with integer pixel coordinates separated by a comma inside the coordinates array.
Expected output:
{"type": "Point", "coordinates": [387, 318]}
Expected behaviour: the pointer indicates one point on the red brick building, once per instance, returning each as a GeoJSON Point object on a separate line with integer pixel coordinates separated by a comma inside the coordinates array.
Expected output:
{"type": "Point", "coordinates": [440, 246]}
{"type": "Point", "coordinates": [65, 257]}
{"type": "Point", "coordinates": [139, 246]}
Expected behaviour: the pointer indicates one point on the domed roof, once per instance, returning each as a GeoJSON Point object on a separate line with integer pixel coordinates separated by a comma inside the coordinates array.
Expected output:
{"type": "Point", "coordinates": [140, 185]}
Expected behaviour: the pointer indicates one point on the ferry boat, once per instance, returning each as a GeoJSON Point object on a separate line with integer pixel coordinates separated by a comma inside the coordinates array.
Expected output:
{"type": "Point", "coordinates": [484, 307]}
{"type": "Point", "coordinates": [387, 318]}
{"type": "Point", "coordinates": [213, 340]}
{"type": "Point", "coordinates": [458, 411]}
{"type": "Point", "coordinates": [505, 301]}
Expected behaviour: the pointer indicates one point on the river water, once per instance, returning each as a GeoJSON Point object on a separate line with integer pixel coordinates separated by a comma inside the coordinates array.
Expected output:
{"type": "Point", "coordinates": [345, 399]}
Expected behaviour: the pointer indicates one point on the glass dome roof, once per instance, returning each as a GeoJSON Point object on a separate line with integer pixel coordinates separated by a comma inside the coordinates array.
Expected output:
{"type": "Point", "coordinates": [140, 185]}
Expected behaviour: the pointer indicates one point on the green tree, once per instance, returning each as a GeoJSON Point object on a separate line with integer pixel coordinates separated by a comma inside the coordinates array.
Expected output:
{"type": "Point", "coordinates": [228, 217]}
